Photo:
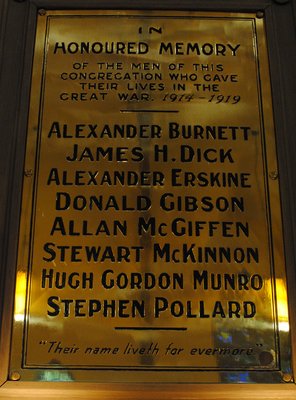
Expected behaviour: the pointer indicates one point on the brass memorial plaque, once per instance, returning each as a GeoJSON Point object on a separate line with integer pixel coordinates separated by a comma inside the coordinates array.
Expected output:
{"type": "Point", "coordinates": [150, 242]}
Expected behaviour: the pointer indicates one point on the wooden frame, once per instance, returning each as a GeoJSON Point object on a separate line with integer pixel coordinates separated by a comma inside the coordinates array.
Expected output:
{"type": "Point", "coordinates": [18, 20]}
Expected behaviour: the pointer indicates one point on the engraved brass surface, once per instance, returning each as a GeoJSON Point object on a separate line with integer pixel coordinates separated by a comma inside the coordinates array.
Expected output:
{"type": "Point", "coordinates": [151, 241]}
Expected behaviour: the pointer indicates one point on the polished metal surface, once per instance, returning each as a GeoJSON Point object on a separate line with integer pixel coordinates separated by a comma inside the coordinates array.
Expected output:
{"type": "Point", "coordinates": [151, 244]}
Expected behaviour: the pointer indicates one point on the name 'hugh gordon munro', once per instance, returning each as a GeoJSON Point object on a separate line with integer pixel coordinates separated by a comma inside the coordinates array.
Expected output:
{"type": "Point", "coordinates": [165, 48]}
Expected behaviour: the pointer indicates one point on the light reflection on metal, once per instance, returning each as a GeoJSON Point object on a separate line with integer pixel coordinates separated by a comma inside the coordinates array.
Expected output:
{"type": "Point", "coordinates": [282, 305]}
{"type": "Point", "coordinates": [20, 296]}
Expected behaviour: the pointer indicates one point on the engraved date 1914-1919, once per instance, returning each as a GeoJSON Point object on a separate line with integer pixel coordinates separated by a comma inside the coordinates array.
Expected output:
{"type": "Point", "coordinates": [176, 98]}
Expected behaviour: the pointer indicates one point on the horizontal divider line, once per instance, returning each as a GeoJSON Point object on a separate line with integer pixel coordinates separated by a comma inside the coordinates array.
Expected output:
{"type": "Point", "coordinates": [149, 111]}
{"type": "Point", "coordinates": [139, 328]}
